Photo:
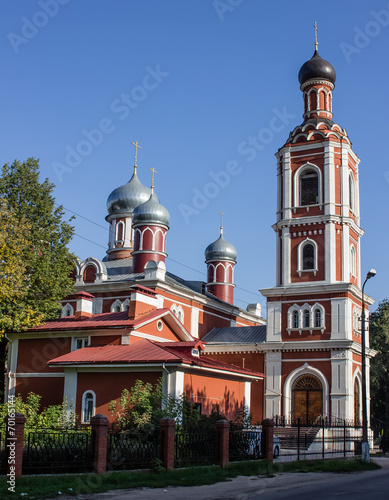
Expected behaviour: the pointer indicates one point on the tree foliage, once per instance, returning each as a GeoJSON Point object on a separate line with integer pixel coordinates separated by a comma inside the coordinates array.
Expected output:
{"type": "Point", "coordinates": [34, 258]}
{"type": "Point", "coordinates": [141, 408]}
{"type": "Point", "coordinates": [379, 376]}
{"type": "Point", "coordinates": [13, 279]}
{"type": "Point", "coordinates": [52, 417]}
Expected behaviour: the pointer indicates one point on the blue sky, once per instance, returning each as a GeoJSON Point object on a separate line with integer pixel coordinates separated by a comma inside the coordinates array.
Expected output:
{"type": "Point", "coordinates": [191, 81]}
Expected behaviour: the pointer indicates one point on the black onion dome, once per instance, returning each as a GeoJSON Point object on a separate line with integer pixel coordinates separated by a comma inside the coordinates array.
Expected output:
{"type": "Point", "coordinates": [151, 212]}
{"type": "Point", "coordinates": [220, 249]}
{"type": "Point", "coordinates": [125, 198]}
{"type": "Point", "coordinates": [315, 68]}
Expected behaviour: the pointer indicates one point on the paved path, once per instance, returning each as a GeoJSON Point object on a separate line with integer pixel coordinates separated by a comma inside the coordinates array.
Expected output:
{"type": "Point", "coordinates": [298, 486]}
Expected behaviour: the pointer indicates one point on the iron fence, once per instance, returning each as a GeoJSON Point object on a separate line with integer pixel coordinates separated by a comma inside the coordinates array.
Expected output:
{"type": "Point", "coordinates": [132, 450]}
{"type": "Point", "coordinates": [245, 444]}
{"type": "Point", "coordinates": [57, 451]}
{"type": "Point", "coordinates": [195, 447]}
{"type": "Point", "coordinates": [323, 438]}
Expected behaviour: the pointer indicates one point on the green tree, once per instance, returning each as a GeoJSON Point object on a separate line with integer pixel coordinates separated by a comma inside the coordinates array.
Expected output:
{"type": "Point", "coordinates": [39, 275]}
{"type": "Point", "coordinates": [379, 376]}
{"type": "Point", "coordinates": [12, 272]}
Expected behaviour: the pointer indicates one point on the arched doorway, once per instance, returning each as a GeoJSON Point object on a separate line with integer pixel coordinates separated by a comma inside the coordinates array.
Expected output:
{"type": "Point", "coordinates": [307, 399]}
{"type": "Point", "coordinates": [357, 403]}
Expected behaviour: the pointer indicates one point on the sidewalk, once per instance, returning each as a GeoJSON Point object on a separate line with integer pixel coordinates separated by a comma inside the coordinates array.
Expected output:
{"type": "Point", "coordinates": [239, 488]}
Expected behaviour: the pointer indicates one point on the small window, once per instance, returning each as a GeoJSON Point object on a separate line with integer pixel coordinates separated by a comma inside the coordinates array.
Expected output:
{"type": "Point", "coordinates": [88, 407]}
{"type": "Point", "coordinates": [307, 318]}
{"type": "Point", "coordinates": [197, 407]}
{"type": "Point", "coordinates": [308, 257]}
{"type": "Point", "coordinates": [81, 342]}
{"type": "Point", "coordinates": [295, 319]}
{"type": "Point", "coordinates": [317, 318]}
{"type": "Point", "coordinates": [309, 188]}
{"type": "Point", "coordinates": [351, 192]}
{"type": "Point", "coordinates": [353, 263]}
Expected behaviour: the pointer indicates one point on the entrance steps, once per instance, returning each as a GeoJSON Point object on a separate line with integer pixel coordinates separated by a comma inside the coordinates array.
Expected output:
{"type": "Point", "coordinates": [289, 436]}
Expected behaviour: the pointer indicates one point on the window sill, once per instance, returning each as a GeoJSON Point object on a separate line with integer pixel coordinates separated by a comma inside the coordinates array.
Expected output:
{"type": "Point", "coordinates": [310, 330]}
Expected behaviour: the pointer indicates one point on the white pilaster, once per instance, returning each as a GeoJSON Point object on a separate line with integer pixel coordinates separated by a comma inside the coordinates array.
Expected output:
{"type": "Point", "coordinates": [346, 253]}
{"type": "Point", "coordinates": [194, 322]}
{"type": "Point", "coordinates": [330, 252]}
{"type": "Point", "coordinates": [70, 387]}
{"type": "Point", "coordinates": [273, 327]}
{"type": "Point", "coordinates": [286, 256]}
{"type": "Point", "coordinates": [273, 364]}
{"type": "Point", "coordinates": [329, 179]}
{"type": "Point", "coordinates": [344, 184]}
{"type": "Point", "coordinates": [340, 377]}
{"type": "Point", "coordinates": [287, 177]}
{"type": "Point", "coordinates": [247, 395]}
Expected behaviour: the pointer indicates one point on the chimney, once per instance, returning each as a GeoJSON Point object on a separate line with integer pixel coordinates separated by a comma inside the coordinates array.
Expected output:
{"type": "Point", "coordinates": [84, 304]}
{"type": "Point", "coordinates": [142, 301]}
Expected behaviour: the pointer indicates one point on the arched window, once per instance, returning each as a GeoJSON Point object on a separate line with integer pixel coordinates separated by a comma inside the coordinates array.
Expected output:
{"type": "Point", "coordinates": [306, 318]}
{"type": "Point", "coordinates": [309, 187]}
{"type": "Point", "coordinates": [308, 257]}
{"type": "Point", "coordinates": [90, 274]}
{"type": "Point", "coordinates": [120, 232]}
{"type": "Point", "coordinates": [67, 310]}
{"type": "Point", "coordinates": [353, 261]}
{"type": "Point", "coordinates": [317, 316]}
{"type": "Point", "coordinates": [116, 306]}
{"type": "Point", "coordinates": [88, 406]}
{"type": "Point", "coordinates": [295, 323]}
{"type": "Point", "coordinates": [351, 191]}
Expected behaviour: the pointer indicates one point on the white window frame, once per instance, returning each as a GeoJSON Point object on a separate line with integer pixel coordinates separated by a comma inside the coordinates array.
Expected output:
{"type": "Point", "coordinates": [83, 339]}
{"type": "Point", "coordinates": [300, 249]}
{"type": "Point", "coordinates": [67, 308]}
{"type": "Point", "coordinates": [299, 172]}
{"type": "Point", "coordinates": [89, 391]}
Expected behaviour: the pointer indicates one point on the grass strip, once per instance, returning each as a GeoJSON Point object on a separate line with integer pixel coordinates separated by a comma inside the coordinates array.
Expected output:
{"type": "Point", "coordinates": [38, 487]}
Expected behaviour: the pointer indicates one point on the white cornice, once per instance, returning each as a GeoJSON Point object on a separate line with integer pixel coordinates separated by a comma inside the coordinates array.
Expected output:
{"type": "Point", "coordinates": [315, 289]}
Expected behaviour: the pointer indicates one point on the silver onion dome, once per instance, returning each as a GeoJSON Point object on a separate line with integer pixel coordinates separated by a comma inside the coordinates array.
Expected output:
{"type": "Point", "coordinates": [151, 212]}
{"type": "Point", "coordinates": [220, 249]}
{"type": "Point", "coordinates": [125, 198]}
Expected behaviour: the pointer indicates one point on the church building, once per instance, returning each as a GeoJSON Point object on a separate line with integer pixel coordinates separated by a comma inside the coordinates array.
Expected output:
{"type": "Point", "coordinates": [130, 318]}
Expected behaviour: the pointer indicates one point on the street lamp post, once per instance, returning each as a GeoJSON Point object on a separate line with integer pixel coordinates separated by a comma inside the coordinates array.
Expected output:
{"type": "Point", "coordinates": [365, 441]}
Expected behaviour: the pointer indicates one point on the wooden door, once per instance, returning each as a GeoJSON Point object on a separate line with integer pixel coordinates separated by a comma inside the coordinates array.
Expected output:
{"type": "Point", "coordinates": [307, 399]}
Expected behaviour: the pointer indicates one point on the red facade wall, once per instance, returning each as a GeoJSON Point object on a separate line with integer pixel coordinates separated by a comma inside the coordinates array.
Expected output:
{"type": "Point", "coordinates": [253, 361]}
{"type": "Point", "coordinates": [207, 390]}
{"type": "Point", "coordinates": [34, 354]}
{"type": "Point", "coordinates": [50, 388]}
{"type": "Point", "coordinates": [109, 386]}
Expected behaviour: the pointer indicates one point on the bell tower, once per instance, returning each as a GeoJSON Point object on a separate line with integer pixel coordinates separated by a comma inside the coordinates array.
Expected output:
{"type": "Point", "coordinates": [313, 311]}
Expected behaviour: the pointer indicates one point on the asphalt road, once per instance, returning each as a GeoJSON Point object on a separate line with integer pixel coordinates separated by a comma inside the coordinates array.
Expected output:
{"type": "Point", "coordinates": [365, 485]}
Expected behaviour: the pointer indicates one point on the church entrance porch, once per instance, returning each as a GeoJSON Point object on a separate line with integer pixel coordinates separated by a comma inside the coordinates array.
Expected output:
{"type": "Point", "coordinates": [307, 399]}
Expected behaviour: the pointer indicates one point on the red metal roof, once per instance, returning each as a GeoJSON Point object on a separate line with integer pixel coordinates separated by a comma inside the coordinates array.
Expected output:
{"type": "Point", "coordinates": [146, 351]}
{"type": "Point", "coordinates": [98, 321]}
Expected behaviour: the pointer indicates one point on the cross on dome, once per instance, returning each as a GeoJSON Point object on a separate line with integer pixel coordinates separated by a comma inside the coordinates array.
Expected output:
{"type": "Point", "coordinates": [316, 30]}
{"type": "Point", "coordinates": [152, 178]}
{"type": "Point", "coordinates": [136, 154]}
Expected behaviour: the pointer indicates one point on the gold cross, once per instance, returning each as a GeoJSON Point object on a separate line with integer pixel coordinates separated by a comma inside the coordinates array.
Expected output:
{"type": "Point", "coordinates": [136, 153]}
{"type": "Point", "coordinates": [316, 30]}
{"type": "Point", "coordinates": [221, 224]}
{"type": "Point", "coordinates": [152, 176]}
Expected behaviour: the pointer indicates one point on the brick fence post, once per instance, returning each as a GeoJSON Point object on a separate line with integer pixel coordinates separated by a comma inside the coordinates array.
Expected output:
{"type": "Point", "coordinates": [223, 431]}
{"type": "Point", "coordinates": [167, 427]}
{"type": "Point", "coordinates": [99, 424]}
{"type": "Point", "coordinates": [267, 439]}
{"type": "Point", "coordinates": [14, 443]}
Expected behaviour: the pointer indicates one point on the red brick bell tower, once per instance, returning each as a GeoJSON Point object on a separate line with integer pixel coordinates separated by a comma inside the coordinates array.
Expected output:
{"type": "Point", "coordinates": [313, 311]}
